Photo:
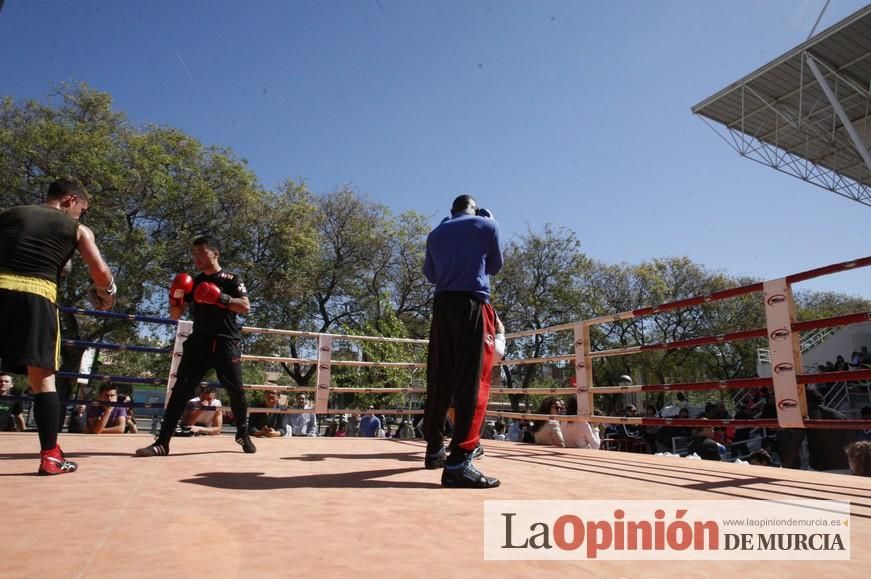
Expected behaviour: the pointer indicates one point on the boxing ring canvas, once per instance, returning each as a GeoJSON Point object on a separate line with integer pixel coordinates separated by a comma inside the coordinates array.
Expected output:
{"type": "Point", "coordinates": [330, 507]}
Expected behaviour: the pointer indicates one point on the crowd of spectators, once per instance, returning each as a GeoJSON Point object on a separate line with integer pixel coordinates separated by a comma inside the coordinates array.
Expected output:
{"type": "Point", "coordinates": [827, 449]}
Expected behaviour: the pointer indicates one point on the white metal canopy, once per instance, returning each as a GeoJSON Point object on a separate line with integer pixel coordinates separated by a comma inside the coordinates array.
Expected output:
{"type": "Point", "coordinates": [808, 112]}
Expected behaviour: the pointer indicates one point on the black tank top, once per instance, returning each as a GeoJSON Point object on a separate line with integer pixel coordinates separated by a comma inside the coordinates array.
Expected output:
{"type": "Point", "coordinates": [36, 241]}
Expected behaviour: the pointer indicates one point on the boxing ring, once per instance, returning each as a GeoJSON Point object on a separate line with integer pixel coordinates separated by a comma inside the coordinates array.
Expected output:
{"type": "Point", "coordinates": [331, 506]}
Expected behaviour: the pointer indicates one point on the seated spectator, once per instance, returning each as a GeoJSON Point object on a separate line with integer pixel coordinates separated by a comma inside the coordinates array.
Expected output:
{"type": "Point", "coordinates": [825, 446]}
{"type": "Point", "coordinates": [518, 431]}
{"type": "Point", "coordinates": [625, 430]}
{"type": "Point", "coordinates": [859, 457]}
{"type": "Point", "coordinates": [130, 427]}
{"type": "Point", "coordinates": [650, 432]}
{"type": "Point", "coordinates": [499, 427]}
{"type": "Point", "coordinates": [268, 424]}
{"type": "Point", "coordinates": [667, 433]}
{"type": "Point", "coordinates": [77, 419]}
{"type": "Point", "coordinates": [342, 429]}
{"type": "Point", "coordinates": [203, 416]}
{"type": "Point", "coordinates": [11, 410]}
{"type": "Point", "coordinates": [674, 409]}
{"type": "Point", "coordinates": [305, 423]}
{"type": "Point", "coordinates": [704, 445]}
{"type": "Point", "coordinates": [354, 426]}
{"type": "Point", "coordinates": [405, 430]}
{"type": "Point", "coordinates": [739, 447]}
{"type": "Point", "coordinates": [548, 432]}
{"type": "Point", "coordinates": [865, 414]}
{"type": "Point", "coordinates": [841, 364]}
{"type": "Point", "coordinates": [579, 434]}
{"type": "Point", "coordinates": [856, 360]}
{"type": "Point", "coordinates": [103, 418]}
{"type": "Point", "coordinates": [760, 458]}
{"type": "Point", "coordinates": [369, 423]}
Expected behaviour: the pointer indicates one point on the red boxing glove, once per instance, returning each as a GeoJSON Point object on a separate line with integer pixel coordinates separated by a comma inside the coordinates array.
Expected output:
{"type": "Point", "coordinates": [209, 293]}
{"type": "Point", "coordinates": [182, 285]}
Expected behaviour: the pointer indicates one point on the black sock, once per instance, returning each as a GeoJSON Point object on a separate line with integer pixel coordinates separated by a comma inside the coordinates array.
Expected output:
{"type": "Point", "coordinates": [46, 409]}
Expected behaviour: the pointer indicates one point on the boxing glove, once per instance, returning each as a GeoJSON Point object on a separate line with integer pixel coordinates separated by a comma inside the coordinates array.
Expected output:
{"type": "Point", "coordinates": [102, 298]}
{"type": "Point", "coordinates": [481, 212]}
{"type": "Point", "coordinates": [209, 293]}
{"type": "Point", "coordinates": [182, 285]}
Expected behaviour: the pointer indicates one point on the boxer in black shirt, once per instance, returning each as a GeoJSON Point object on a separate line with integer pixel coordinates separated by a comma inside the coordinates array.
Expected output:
{"type": "Point", "coordinates": [214, 297]}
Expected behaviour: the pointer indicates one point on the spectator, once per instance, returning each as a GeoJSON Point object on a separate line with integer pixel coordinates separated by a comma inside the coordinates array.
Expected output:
{"type": "Point", "coordinates": [674, 409]}
{"type": "Point", "coordinates": [405, 430]}
{"type": "Point", "coordinates": [105, 417]}
{"type": "Point", "coordinates": [268, 424]}
{"type": "Point", "coordinates": [739, 447]}
{"type": "Point", "coordinates": [370, 424]}
{"type": "Point", "coordinates": [650, 432]}
{"type": "Point", "coordinates": [354, 425]}
{"type": "Point", "coordinates": [78, 419]}
{"type": "Point", "coordinates": [342, 429]}
{"type": "Point", "coordinates": [517, 429]}
{"type": "Point", "coordinates": [760, 458]}
{"type": "Point", "coordinates": [548, 432]}
{"type": "Point", "coordinates": [865, 413]}
{"type": "Point", "coordinates": [704, 445]}
{"type": "Point", "coordinates": [667, 433]}
{"type": "Point", "coordinates": [130, 427]}
{"type": "Point", "coordinates": [499, 427]}
{"type": "Point", "coordinates": [305, 423]}
{"type": "Point", "coordinates": [859, 457]}
{"type": "Point", "coordinates": [856, 360]}
{"type": "Point", "coordinates": [203, 415]}
{"type": "Point", "coordinates": [825, 445]}
{"type": "Point", "coordinates": [841, 364]}
{"type": "Point", "coordinates": [632, 431]}
{"type": "Point", "coordinates": [489, 430]}
{"type": "Point", "coordinates": [579, 433]}
{"type": "Point", "coordinates": [11, 411]}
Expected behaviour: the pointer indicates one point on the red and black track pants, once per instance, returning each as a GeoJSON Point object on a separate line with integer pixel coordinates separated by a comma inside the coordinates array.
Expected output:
{"type": "Point", "coordinates": [459, 364]}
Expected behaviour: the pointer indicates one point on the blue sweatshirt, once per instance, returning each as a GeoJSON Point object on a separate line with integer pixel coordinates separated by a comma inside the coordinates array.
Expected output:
{"type": "Point", "coordinates": [461, 253]}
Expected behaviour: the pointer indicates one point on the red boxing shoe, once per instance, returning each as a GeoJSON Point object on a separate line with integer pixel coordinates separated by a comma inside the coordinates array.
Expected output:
{"type": "Point", "coordinates": [53, 462]}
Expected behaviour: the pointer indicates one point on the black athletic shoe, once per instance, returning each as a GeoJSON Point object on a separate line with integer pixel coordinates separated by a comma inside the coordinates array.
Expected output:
{"type": "Point", "coordinates": [477, 453]}
{"type": "Point", "coordinates": [435, 460]}
{"type": "Point", "coordinates": [244, 441]}
{"type": "Point", "coordinates": [466, 476]}
{"type": "Point", "coordinates": [153, 450]}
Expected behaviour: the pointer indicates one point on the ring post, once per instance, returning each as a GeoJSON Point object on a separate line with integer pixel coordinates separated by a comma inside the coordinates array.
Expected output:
{"type": "Point", "coordinates": [182, 331]}
{"type": "Point", "coordinates": [322, 394]}
{"type": "Point", "coordinates": [785, 353]}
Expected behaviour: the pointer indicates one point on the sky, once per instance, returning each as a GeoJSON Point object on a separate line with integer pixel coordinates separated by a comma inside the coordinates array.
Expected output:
{"type": "Point", "coordinates": [573, 113]}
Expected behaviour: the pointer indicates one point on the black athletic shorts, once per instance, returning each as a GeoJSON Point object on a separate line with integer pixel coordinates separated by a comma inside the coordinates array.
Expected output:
{"type": "Point", "coordinates": [31, 332]}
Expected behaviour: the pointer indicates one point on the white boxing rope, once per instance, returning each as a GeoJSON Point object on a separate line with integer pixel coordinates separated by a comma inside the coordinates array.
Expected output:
{"type": "Point", "coordinates": [385, 411]}
{"type": "Point", "coordinates": [560, 358]}
{"type": "Point", "coordinates": [278, 359]}
{"type": "Point", "coordinates": [377, 390]}
{"type": "Point", "coordinates": [533, 391]}
{"type": "Point", "coordinates": [338, 337]}
{"type": "Point", "coordinates": [280, 388]}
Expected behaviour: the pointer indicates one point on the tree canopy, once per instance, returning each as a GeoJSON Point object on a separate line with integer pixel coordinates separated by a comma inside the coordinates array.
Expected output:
{"type": "Point", "coordinates": [339, 261]}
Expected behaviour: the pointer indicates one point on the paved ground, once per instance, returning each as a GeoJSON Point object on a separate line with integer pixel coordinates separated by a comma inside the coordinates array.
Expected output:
{"type": "Point", "coordinates": [327, 507]}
